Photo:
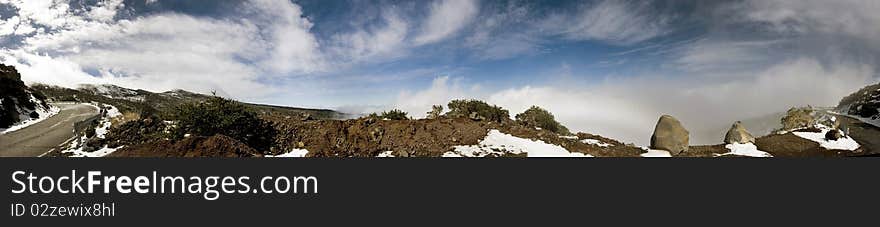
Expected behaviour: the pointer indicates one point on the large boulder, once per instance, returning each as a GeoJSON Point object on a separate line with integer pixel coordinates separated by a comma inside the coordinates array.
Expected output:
{"type": "Point", "coordinates": [670, 135]}
{"type": "Point", "coordinates": [738, 134]}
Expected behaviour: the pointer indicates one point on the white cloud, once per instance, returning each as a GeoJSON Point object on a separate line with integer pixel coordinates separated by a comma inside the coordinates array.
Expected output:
{"type": "Point", "coordinates": [442, 90]}
{"type": "Point", "coordinates": [445, 19]}
{"type": "Point", "coordinates": [856, 18]}
{"type": "Point", "coordinates": [366, 44]}
{"type": "Point", "coordinates": [105, 10]}
{"type": "Point", "coordinates": [617, 22]}
{"type": "Point", "coordinates": [293, 48]}
{"type": "Point", "coordinates": [493, 39]}
{"type": "Point", "coordinates": [169, 51]}
{"type": "Point", "coordinates": [627, 108]}
{"type": "Point", "coordinates": [708, 55]}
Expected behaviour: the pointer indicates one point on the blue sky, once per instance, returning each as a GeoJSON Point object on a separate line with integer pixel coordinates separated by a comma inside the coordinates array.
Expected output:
{"type": "Point", "coordinates": [604, 66]}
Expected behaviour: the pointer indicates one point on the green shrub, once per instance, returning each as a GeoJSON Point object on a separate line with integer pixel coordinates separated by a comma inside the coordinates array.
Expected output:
{"type": "Point", "coordinates": [476, 108]}
{"type": "Point", "coordinates": [435, 112]}
{"type": "Point", "coordinates": [541, 118]}
{"type": "Point", "coordinates": [217, 115]}
{"type": "Point", "coordinates": [394, 114]}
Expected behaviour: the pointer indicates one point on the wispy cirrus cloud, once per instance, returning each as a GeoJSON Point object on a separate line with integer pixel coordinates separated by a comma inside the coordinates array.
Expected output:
{"type": "Point", "coordinates": [445, 19]}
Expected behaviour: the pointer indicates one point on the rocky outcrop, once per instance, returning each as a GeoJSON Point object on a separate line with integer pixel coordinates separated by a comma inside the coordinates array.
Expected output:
{"type": "Point", "coordinates": [863, 103]}
{"type": "Point", "coordinates": [833, 135]}
{"type": "Point", "coordinates": [18, 102]}
{"type": "Point", "coordinates": [670, 135]}
{"type": "Point", "coordinates": [738, 134]}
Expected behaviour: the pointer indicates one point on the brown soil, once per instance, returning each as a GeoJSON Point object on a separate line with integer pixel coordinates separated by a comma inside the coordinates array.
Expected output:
{"type": "Point", "coordinates": [416, 138]}
{"type": "Point", "coordinates": [215, 146]}
{"type": "Point", "coordinates": [705, 151]}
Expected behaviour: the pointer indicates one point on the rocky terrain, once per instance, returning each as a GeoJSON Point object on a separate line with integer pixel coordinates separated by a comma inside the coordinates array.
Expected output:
{"type": "Point", "coordinates": [19, 104]}
{"type": "Point", "coordinates": [141, 101]}
{"type": "Point", "coordinates": [864, 104]}
{"type": "Point", "coordinates": [138, 123]}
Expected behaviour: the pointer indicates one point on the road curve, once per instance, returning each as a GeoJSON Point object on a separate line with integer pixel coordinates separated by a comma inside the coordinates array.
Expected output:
{"type": "Point", "coordinates": [37, 139]}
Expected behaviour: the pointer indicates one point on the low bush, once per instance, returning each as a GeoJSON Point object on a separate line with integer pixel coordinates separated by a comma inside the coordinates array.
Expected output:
{"type": "Point", "coordinates": [217, 115]}
{"type": "Point", "coordinates": [435, 112]}
{"type": "Point", "coordinates": [541, 118]}
{"type": "Point", "coordinates": [476, 108]}
{"type": "Point", "coordinates": [394, 114]}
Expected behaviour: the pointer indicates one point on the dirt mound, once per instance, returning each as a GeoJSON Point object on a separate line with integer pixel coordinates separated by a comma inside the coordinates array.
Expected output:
{"type": "Point", "coordinates": [367, 137]}
{"type": "Point", "coordinates": [214, 146]}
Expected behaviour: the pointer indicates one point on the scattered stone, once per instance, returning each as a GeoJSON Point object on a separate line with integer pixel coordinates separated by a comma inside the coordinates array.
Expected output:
{"type": "Point", "coordinates": [670, 135]}
{"type": "Point", "coordinates": [738, 134]}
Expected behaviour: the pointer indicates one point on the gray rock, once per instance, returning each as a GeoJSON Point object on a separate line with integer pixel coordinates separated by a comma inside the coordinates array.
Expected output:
{"type": "Point", "coordinates": [738, 134]}
{"type": "Point", "coordinates": [670, 135]}
{"type": "Point", "coordinates": [833, 135]}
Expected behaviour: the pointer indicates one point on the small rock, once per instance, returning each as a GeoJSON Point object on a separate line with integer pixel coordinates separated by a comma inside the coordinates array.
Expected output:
{"type": "Point", "coordinates": [833, 135]}
{"type": "Point", "coordinates": [738, 134]}
{"type": "Point", "coordinates": [670, 135]}
{"type": "Point", "coordinates": [300, 145]}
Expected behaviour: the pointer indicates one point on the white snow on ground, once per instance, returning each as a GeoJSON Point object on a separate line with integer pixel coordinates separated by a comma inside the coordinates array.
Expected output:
{"type": "Point", "coordinates": [103, 128]}
{"type": "Point", "coordinates": [44, 114]}
{"type": "Point", "coordinates": [75, 147]}
{"type": "Point", "coordinates": [386, 154]}
{"type": "Point", "coordinates": [651, 153]}
{"type": "Point", "coordinates": [846, 143]}
{"type": "Point", "coordinates": [295, 153]}
{"type": "Point", "coordinates": [745, 149]}
{"type": "Point", "coordinates": [595, 142]}
{"type": "Point", "coordinates": [500, 143]}
{"type": "Point", "coordinates": [77, 150]}
{"type": "Point", "coordinates": [569, 137]}
{"type": "Point", "coordinates": [112, 112]}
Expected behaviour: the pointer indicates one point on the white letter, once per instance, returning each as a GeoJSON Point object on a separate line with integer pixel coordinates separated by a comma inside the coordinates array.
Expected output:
{"type": "Point", "coordinates": [93, 181]}
{"type": "Point", "coordinates": [15, 179]}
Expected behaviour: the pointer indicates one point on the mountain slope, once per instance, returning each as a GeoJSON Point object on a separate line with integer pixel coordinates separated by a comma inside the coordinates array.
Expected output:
{"type": "Point", "coordinates": [19, 104]}
{"type": "Point", "coordinates": [864, 103]}
{"type": "Point", "coordinates": [139, 101]}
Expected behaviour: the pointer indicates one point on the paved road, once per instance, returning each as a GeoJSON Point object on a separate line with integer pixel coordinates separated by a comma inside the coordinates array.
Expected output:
{"type": "Point", "coordinates": [41, 137]}
{"type": "Point", "coordinates": [867, 135]}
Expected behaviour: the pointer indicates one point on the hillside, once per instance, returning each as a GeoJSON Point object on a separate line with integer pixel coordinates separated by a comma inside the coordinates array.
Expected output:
{"type": "Point", "coordinates": [864, 104]}
{"type": "Point", "coordinates": [19, 105]}
{"type": "Point", "coordinates": [141, 101]}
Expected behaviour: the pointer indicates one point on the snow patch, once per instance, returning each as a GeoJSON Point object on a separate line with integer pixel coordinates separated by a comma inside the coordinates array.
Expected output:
{"type": "Point", "coordinates": [295, 153]}
{"type": "Point", "coordinates": [77, 151]}
{"type": "Point", "coordinates": [846, 143]}
{"type": "Point", "coordinates": [498, 143]}
{"type": "Point", "coordinates": [386, 154]}
{"type": "Point", "coordinates": [25, 114]}
{"type": "Point", "coordinates": [745, 149]}
{"type": "Point", "coordinates": [595, 142]}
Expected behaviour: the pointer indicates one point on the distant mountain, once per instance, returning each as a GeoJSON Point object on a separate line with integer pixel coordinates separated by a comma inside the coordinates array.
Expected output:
{"type": "Point", "coordinates": [864, 103]}
{"type": "Point", "coordinates": [139, 101]}
{"type": "Point", "coordinates": [18, 103]}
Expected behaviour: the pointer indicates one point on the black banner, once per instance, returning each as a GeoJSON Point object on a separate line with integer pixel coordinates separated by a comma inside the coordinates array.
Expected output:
{"type": "Point", "coordinates": [431, 191]}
